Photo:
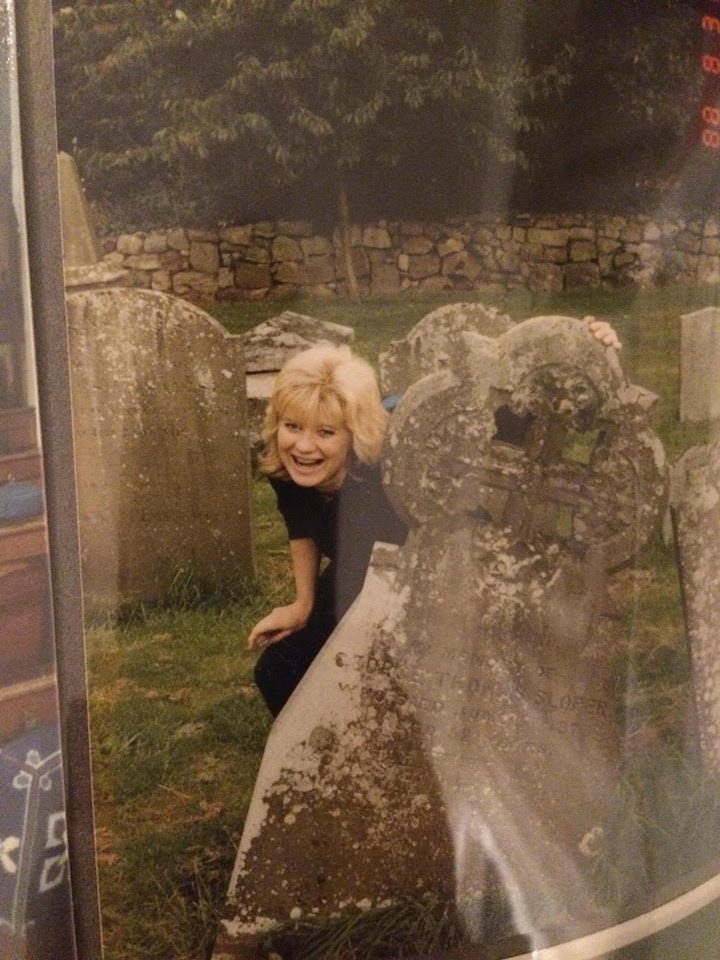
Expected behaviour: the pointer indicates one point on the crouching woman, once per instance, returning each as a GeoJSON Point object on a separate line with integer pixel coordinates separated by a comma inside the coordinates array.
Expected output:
{"type": "Point", "coordinates": [323, 433]}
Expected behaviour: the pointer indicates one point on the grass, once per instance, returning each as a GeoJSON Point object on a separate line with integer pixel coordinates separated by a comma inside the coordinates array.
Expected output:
{"type": "Point", "coordinates": [178, 728]}
{"type": "Point", "coordinates": [178, 732]}
{"type": "Point", "coordinates": [396, 931]}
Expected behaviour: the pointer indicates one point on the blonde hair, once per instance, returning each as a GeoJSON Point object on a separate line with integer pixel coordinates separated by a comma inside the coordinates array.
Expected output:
{"type": "Point", "coordinates": [327, 384]}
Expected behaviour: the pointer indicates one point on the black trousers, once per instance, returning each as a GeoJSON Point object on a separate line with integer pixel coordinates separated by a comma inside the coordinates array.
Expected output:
{"type": "Point", "coordinates": [282, 665]}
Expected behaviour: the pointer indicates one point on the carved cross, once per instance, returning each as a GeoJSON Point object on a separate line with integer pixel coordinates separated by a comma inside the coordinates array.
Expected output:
{"type": "Point", "coordinates": [537, 431]}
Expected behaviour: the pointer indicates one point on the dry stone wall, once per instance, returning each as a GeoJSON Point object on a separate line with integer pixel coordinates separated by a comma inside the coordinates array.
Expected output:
{"type": "Point", "coordinates": [284, 258]}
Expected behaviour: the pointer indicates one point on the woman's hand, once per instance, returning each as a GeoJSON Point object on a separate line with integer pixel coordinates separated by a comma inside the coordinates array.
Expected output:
{"type": "Point", "coordinates": [277, 625]}
{"type": "Point", "coordinates": [603, 332]}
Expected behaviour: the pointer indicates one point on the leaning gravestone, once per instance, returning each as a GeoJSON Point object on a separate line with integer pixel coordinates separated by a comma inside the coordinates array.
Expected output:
{"type": "Point", "coordinates": [158, 393]}
{"type": "Point", "coordinates": [696, 503]}
{"type": "Point", "coordinates": [271, 343]}
{"type": "Point", "coordinates": [699, 365]}
{"type": "Point", "coordinates": [81, 248]}
{"type": "Point", "coordinates": [80, 245]}
{"type": "Point", "coordinates": [458, 735]}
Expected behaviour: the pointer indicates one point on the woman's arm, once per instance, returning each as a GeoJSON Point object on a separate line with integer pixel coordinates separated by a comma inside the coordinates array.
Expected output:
{"type": "Point", "coordinates": [283, 621]}
{"type": "Point", "coordinates": [305, 556]}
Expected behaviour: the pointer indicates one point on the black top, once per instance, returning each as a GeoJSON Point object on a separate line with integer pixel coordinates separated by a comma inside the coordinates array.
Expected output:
{"type": "Point", "coordinates": [344, 525]}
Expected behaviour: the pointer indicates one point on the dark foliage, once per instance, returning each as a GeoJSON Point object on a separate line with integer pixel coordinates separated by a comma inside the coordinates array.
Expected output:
{"type": "Point", "coordinates": [198, 111]}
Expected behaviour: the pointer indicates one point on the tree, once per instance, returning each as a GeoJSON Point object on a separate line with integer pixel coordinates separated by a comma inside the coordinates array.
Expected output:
{"type": "Point", "coordinates": [652, 70]}
{"type": "Point", "coordinates": [285, 92]}
{"type": "Point", "coordinates": [624, 131]}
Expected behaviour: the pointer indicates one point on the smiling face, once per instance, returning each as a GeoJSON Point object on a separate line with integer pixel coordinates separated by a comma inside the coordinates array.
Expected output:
{"type": "Point", "coordinates": [314, 451]}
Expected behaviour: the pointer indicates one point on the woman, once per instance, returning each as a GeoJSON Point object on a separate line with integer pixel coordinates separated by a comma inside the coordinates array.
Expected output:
{"type": "Point", "coordinates": [323, 433]}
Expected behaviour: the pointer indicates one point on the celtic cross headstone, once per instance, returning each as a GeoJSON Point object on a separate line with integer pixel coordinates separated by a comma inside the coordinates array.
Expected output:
{"type": "Point", "coordinates": [539, 475]}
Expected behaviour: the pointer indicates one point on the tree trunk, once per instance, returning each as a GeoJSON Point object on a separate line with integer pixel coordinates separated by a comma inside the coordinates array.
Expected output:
{"type": "Point", "coordinates": [346, 236]}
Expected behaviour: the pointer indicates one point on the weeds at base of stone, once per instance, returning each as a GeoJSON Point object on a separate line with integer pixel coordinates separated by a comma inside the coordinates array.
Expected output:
{"type": "Point", "coordinates": [408, 929]}
{"type": "Point", "coordinates": [188, 589]}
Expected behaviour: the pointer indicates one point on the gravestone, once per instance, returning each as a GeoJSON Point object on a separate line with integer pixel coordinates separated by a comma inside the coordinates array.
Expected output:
{"type": "Point", "coordinates": [458, 737]}
{"type": "Point", "coordinates": [269, 345]}
{"type": "Point", "coordinates": [80, 245]}
{"type": "Point", "coordinates": [695, 498]}
{"type": "Point", "coordinates": [162, 458]}
{"type": "Point", "coordinates": [425, 349]}
{"type": "Point", "coordinates": [81, 249]}
{"type": "Point", "coordinates": [699, 365]}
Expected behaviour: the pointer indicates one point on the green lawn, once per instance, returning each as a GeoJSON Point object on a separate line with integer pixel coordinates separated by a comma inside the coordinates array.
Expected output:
{"type": "Point", "coordinates": [178, 732]}
{"type": "Point", "coordinates": [178, 728]}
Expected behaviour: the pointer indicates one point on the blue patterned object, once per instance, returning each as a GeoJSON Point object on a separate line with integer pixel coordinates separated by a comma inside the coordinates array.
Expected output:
{"type": "Point", "coordinates": [35, 904]}
{"type": "Point", "coordinates": [19, 501]}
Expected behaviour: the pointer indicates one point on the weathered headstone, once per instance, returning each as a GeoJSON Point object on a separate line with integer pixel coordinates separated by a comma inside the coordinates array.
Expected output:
{"type": "Point", "coordinates": [81, 248]}
{"type": "Point", "coordinates": [699, 365]}
{"type": "Point", "coordinates": [695, 495]}
{"type": "Point", "coordinates": [161, 442]}
{"type": "Point", "coordinates": [458, 734]}
{"type": "Point", "coordinates": [425, 349]}
{"type": "Point", "coordinates": [269, 345]}
{"type": "Point", "coordinates": [80, 245]}
{"type": "Point", "coordinates": [539, 475]}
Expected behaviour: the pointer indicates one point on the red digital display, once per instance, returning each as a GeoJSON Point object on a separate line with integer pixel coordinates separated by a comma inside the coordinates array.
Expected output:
{"type": "Point", "coordinates": [710, 63]}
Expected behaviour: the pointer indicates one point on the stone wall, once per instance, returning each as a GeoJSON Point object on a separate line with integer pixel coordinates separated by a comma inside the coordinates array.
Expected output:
{"type": "Point", "coordinates": [552, 253]}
